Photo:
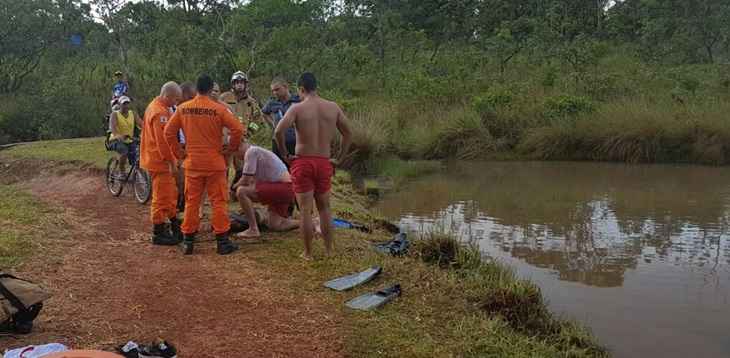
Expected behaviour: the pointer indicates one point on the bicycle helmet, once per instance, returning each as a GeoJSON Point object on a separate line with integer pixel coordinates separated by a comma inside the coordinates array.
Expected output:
{"type": "Point", "coordinates": [239, 76]}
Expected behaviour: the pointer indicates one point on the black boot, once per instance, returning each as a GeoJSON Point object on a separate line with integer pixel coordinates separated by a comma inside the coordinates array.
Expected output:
{"type": "Point", "coordinates": [181, 203]}
{"type": "Point", "coordinates": [225, 246]}
{"type": "Point", "coordinates": [175, 229]}
{"type": "Point", "coordinates": [162, 236]}
{"type": "Point", "coordinates": [187, 244]}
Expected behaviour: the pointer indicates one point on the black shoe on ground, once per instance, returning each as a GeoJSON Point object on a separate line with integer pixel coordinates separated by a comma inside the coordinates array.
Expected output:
{"type": "Point", "coordinates": [129, 350]}
{"type": "Point", "coordinates": [175, 229]}
{"type": "Point", "coordinates": [162, 236]}
{"type": "Point", "coordinates": [159, 350]}
{"type": "Point", "coordinates": [187, 244]}
{"type": "Point", "coordinates": [181, 203]}
{"type": "Point", "coordinates": [224, 244]}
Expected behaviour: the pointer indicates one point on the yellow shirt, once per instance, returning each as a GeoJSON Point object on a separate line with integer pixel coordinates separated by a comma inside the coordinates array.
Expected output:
{"type": "Point", "coordinates": [125, 126]}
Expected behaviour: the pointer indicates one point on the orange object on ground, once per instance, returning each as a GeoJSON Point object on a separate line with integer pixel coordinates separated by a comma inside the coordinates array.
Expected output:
{"type": "Point", "coordinates": [202, 120]}
{"type": "Point", "coordinates": [164, 197]}
{"type": "Point", "coordinates": [276, 195]}
{"type": "Point", "coordinates": [155, 153]}
{"type": "Point", "coordinates": [83, 354]}
{"type": "Point", "coordinates": [217, 187]}
{"type": "Point", "coordinates": [310, 173]}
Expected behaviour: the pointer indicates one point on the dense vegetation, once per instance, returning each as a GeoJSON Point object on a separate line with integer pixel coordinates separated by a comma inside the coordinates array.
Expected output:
{"type": "Point", "coordinates": [632, 80]}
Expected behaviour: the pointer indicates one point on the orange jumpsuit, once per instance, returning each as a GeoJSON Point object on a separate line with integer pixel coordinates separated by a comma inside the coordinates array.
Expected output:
{"type": "Point", "coordinates": [202, 120]}
{"type": "Point", "coordinates": [154, 155]}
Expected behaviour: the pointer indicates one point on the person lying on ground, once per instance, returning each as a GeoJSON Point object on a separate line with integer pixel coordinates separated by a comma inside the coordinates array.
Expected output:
{"type": "Point", "coordinates": [315, 120]}
{"type": "Point", "coordinates": [265, 180]}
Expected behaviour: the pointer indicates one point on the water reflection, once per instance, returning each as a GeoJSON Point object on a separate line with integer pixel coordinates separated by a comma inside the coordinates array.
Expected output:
{"type": "Point", "coordinates": [589, 222]}
{"type": "Point", "coordinates": [641, 254]}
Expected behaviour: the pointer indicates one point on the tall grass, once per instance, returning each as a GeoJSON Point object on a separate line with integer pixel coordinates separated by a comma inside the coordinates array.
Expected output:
{"type": "Point", "coordinates": [417, 131]}
{"type": "Point", "coordinates": [542, 125]}
{"type": "Point", "coordinates": [638, 132]}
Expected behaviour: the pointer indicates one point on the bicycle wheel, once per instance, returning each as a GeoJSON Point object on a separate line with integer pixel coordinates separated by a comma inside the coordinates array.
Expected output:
{"type": "Point", "coordinates": [142, 186]}
{"type": "Point", "coordinates": [114, 181]}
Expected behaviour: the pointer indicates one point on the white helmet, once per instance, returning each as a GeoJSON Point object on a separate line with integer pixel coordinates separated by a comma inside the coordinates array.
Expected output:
{"type": "Point", "coordinates": [239, 76]}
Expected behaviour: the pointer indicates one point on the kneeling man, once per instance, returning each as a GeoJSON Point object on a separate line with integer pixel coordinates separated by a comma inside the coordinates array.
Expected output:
{"type": "Point", "coordinates": [265, 180]}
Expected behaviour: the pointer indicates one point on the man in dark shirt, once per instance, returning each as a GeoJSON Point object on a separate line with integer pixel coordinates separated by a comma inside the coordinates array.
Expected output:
{"type": "Point", "coordinates": [275, 110]}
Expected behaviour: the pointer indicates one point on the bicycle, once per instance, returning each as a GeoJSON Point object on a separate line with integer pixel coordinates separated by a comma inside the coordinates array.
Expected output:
{"type": "Point", "coordinates": [141, 182]}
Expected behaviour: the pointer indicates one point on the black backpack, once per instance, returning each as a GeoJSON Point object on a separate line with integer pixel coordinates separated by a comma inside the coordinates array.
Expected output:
{"type": "Point", "coordinates": [17, 313]}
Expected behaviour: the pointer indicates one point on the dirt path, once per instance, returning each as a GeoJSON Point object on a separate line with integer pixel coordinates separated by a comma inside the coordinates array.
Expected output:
{"type": "Point", "coordinates": [111, 285]}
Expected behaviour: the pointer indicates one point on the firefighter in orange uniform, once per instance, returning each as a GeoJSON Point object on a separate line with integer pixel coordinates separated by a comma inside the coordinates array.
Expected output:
{"type": "Point", "coordinates": [202, 119]}
{"type": "Point", "coordinates": [159, 161]}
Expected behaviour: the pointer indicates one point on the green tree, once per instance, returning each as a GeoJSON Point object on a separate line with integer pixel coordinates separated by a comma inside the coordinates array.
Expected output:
{"type": "Point", "coordinates": [27, 32]}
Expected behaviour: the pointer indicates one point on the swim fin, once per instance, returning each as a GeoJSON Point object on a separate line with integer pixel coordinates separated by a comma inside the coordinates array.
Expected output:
{"type": "Point", "coordinates": [396, 247]}
{"type": "Point", "coordinates": [371, 301]}
{"type": "Point", "coordinates": [347, 282]}
{"type": "Point", "coordinates": [344, 224]}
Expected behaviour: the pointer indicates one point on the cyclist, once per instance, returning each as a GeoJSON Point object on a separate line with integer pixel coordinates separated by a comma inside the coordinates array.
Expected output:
{"type": "Point", "coordinates": [122, 124]}
{"type": "Point", "coordinates": [121, 86]}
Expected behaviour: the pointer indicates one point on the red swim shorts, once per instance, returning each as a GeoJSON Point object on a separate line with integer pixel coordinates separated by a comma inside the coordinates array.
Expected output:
{"type": "Point", "coordinates": [277, 196]}
{"type": "Point", "coordinates": [312, 174]}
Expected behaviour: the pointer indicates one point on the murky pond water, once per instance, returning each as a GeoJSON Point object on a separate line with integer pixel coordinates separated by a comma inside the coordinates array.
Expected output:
{"type": "Point", "coordinates": [640, 254]}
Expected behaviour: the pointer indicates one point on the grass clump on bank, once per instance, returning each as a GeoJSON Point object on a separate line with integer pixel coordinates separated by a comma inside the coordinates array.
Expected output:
{"type": "Point", "coordinates": [24, 220]}
{"type": "Point", "coordinates": [89, 151]}
{"type": "Point", "coordinates": [494, 290]}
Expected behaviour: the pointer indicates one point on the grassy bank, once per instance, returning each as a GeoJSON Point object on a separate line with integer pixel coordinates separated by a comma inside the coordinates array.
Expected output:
{"type": "Point", "coordinates": [620, 110]}
{"type": "Point", "coordinates": [455, 302]}
{"type": "Point", "coordinates": [632, 131]}
{"type": "Point", "coordinates": [84, 151]}
{"type": "Point", "coordinates": [25, 223]}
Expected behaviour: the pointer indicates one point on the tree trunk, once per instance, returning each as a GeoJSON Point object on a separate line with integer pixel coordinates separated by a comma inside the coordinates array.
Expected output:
{"type": "Point", "coordinates": [381, 52]}
{"type": "Point", "coordinates": [710, 53]}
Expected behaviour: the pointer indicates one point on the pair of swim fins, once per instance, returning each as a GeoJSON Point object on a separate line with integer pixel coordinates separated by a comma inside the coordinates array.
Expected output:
{"type": "Point", "coordinates": [368, 301]}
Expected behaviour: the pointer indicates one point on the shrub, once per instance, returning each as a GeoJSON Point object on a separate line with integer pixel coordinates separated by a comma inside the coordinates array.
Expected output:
{"type": "Point", "coordinates": [488, 103]}
{"type": "Point", "coordinates": [462, 135]}
{"type": "Point", "coordinates": [566, 106]}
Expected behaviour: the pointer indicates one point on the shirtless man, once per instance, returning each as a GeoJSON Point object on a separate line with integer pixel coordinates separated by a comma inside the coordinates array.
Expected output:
{"type": "Point", "coordinates": [315, 120]}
